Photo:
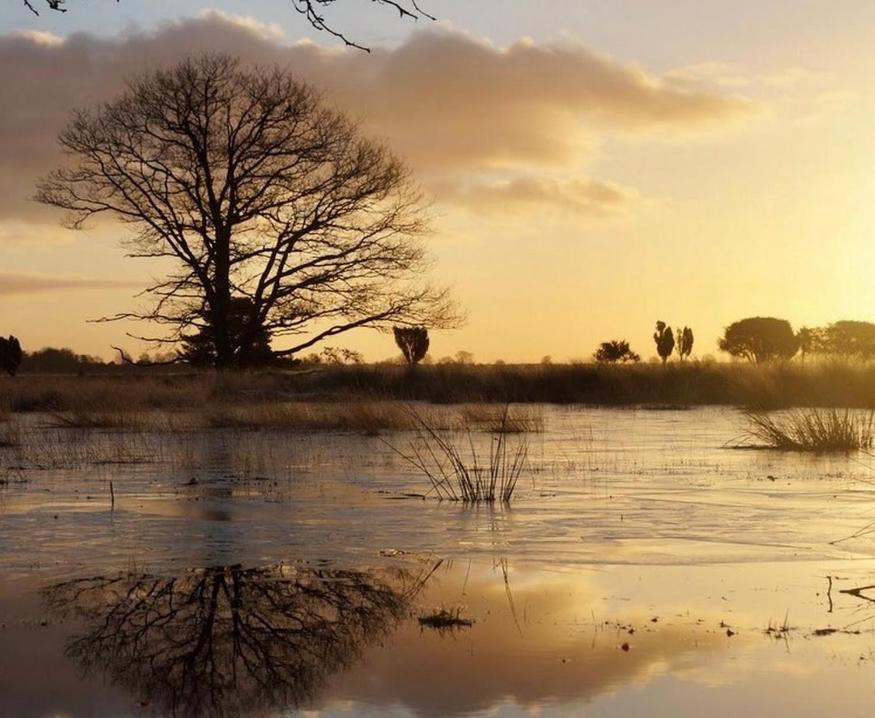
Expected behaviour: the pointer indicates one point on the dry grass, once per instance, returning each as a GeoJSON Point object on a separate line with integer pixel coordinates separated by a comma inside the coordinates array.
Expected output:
{"type": "Point", "coordinates": [369, 418]}
{"type": "Point", "coordinates": [780, 385]}
{"type": "Point", "coordinates": [495, 418]}
{"type": "Point", "coordinates": [819, 430]}
{"type": "Point", "coordinates": [10, 435]}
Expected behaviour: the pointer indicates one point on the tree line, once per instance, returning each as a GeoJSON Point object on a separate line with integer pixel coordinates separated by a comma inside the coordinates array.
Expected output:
{"type": "Point", "coordinates": [667, 343]}
{"type": "Point", "coordinates": [758, 339]}
{"type": "Point", "coordinates": [762, 339]}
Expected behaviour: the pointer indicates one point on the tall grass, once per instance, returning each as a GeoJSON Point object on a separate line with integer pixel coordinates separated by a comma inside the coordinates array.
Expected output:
{"type": "Point", "coordinates": [819, 430]}
{"type": "Point", "coordinates": [451, 463]}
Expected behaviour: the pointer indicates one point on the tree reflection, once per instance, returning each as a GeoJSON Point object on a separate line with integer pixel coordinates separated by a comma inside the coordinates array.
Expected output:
{"type": "Point", "coordinates": [228, 640]}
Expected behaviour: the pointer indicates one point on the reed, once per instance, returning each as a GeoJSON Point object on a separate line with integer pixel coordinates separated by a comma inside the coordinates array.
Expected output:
{"type": "Point", "coordinates": [818, 430]}
{"type": "Point", "coordinates": [451, 463]}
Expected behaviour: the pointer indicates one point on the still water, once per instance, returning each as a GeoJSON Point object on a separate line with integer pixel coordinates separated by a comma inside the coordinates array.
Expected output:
{"type": "Point", "coordinates": [643, 568]}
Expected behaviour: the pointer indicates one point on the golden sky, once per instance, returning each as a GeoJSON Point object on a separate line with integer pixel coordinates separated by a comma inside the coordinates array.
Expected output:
{"type": "Point", "coordinates": [590, 172]}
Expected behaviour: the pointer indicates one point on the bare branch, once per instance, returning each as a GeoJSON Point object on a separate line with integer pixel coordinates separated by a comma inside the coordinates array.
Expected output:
{"type": "Point", "coordinates": [310, 9]}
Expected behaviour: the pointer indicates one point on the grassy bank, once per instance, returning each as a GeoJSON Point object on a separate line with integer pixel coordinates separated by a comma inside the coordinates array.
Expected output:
{"type": "Point", "coordinates": [772, 386]}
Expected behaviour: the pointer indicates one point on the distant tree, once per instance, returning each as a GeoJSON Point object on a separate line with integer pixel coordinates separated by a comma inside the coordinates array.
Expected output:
{"type": "Point", "coordinates": [463, 357]}
{"type": "Point", "coordinates": [10, 355]}
{"type": "Point", "coordinates": [664, 339]}
{"type": "Point", "coordinates": [847, 339]}
{"type": "Point", "coordinates": [760, 339]}
{"type": "Point", "coordinates": [413, 343]}
{"type": "Point", "coordinates": [810, 340]}
{"type": "Point", "coordinates": [616, 351]}
{"type": "Point", "coordinates": [684, 342]}
{"type": "Point", "coordinates": [546, 360]}
{"type": "Point", "coordinates": [57, 361]}
{"type": "Point", "coordinates": [339, 356]}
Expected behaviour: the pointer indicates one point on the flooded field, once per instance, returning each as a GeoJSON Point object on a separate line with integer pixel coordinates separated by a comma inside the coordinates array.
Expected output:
{"type": "Point", "coordinates": [643, 568]}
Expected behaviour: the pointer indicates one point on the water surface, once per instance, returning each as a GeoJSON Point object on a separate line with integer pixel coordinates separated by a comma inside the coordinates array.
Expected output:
{"type": "Point", "coordinates": [643, 569]}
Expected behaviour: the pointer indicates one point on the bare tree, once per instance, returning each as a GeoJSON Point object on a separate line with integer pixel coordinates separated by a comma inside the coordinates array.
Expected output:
{"type": "Point", "coordinates": [313, 10]}
{"type": "Point", "coordinates": [259, 192]}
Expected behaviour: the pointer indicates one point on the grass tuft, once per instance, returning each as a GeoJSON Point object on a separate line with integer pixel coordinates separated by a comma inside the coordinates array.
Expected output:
{"type": "Point", "coordinates": [818, 430]}
{"type": "Point", "coordinates": [451, 463]}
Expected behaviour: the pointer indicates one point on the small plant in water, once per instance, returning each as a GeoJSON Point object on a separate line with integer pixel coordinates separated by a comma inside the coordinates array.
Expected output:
{"type": "Point", "coordinates": [812, 429]}
{"type": "Point", "coordinates": [445, 619]}
{"type": "Point", "coordinates": [450, 462]}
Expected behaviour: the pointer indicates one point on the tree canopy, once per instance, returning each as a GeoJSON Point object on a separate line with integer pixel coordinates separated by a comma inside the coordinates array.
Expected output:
{"type": "Point", "coordinates": [847, 339]}
{"type": "Point", "coordinates": [615, 351]}
{"type": "Point", "coordinates": [760, 339]}
{"type": "Point", "coordinates": [413, 343]}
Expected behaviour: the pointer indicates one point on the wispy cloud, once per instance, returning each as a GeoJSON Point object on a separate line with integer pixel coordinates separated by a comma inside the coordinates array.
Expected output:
{"type": "Point", "coordinates": [15, 283]}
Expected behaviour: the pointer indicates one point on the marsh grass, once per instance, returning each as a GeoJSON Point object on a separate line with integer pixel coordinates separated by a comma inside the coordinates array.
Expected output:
{"type": "Point", "coordinates": [363, 417]}
{"type": "Point", "coordinates": [370, 418]}
{"type": "Point", "coordinates": [454, 467]}
{"type": "Point", "coordinates": [694, 383]}
{"type": "Point", "coordinates": [498, 419]}
{"type": "Point", "coordinates": [817, 430]}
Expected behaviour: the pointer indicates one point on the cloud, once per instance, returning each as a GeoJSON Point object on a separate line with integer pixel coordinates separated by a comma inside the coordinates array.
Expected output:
{"type": "Point", "coordinates": [453, 105]}
{"type": "Point", "coordinates": [581, 199]}
{"type": "Point", "coordinates": [14, 284]}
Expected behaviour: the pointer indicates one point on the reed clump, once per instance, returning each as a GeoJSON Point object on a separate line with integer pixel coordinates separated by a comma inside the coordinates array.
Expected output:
{"type": "Point", "coordinates": [818, 430]}
{"type": "Point", "coordinates": [456, 470]}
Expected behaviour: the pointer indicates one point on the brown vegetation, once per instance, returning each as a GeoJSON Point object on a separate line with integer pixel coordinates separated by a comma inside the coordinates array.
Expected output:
{"type": "Point", "coordinates": [768, 386]}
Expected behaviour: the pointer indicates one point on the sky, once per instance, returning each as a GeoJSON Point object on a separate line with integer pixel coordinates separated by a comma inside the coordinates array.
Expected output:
{"type": "Point", "coordinates": [592, 165]}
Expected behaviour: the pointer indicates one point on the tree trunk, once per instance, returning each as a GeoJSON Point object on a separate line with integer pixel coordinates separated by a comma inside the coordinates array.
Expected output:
{"type": "Point", "coordinates": [221, 307]}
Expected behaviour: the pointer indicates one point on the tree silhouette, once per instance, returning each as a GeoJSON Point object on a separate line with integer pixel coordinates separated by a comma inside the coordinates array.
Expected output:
{"type": "Point", "coordinates": [10, 355]}
{"type": "Point", "coordinates": [760, 339]}
{"type": "Point", "coordinates": [258, 191]}
{"type": "Point", "coordinates": [200, 349]}
{"type": "Point", "coordinates": [684, 342]}
{"type": "Point", "coordinates": [228, 640]}
{"type": "Point", "coordinates": [847, 339]}
{"type": "Point", "coordinates": [810, 340]}
{"type": "Point", "coordinates": [413, 343]}
{"type": "Point", "coordinates": [615, 351]}
{"type": "Point", "coordinates": [664, 339]}
{"type": "Point", "coordinates": [312, 10]}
